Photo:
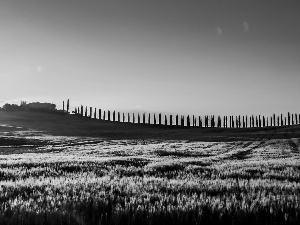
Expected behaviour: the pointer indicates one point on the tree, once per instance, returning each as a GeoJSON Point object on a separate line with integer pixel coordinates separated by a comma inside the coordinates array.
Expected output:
{"type": "Point", "coordinates": [68, 106]}
{"type": "Point", "coordinates": [10, 107]}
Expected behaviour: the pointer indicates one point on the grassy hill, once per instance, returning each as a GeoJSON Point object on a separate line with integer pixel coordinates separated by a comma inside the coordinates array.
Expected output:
{"type": "Point", "coordinates": [73, 125]}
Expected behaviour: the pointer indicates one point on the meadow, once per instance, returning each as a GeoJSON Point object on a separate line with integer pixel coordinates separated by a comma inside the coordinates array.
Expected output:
{"type": "Point", "coordinates": [51, 179]}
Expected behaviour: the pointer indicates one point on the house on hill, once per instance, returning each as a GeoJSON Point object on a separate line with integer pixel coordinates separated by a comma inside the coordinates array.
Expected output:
{"type": "Point", "coordinates": [38, 106]}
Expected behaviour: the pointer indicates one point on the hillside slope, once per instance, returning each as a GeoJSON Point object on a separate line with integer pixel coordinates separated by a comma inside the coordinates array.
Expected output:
{"type": "Point", "coordinates": [72, 125]}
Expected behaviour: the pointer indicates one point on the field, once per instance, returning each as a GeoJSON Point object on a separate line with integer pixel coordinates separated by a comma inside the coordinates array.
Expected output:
{"type": "Point", "coordinates": [68, 170]}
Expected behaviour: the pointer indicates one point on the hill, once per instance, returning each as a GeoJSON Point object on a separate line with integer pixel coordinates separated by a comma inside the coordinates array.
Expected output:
{"type": "Point", "coordinates": [73, 125]}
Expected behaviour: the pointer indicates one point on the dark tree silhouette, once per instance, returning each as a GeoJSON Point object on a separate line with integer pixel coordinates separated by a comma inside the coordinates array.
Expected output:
{"type": "Point", "coordinates": [200, 121]}
{"type": "Point", "coordinates": [159, 119]}
{"type": "Point", "coordinates": [285, 121]}
{"type": "Point", "coordinates": [68, 106]}
{"type": "Point", "coordinates": [188, 122]}
{"type": "Point", "coordinates": [176, 120]}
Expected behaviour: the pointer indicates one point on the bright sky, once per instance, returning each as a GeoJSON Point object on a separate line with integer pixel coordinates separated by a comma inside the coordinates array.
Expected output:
{"type": "Point", "coordinates": [198, 57]}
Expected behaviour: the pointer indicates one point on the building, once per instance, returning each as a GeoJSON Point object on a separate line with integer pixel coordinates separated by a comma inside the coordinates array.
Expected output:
{"type": "Point", "coordinates": [38, 106]}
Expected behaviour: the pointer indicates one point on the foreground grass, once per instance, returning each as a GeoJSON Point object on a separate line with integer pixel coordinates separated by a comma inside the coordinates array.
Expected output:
{"type": "Point", "coordinates": [152, 183]}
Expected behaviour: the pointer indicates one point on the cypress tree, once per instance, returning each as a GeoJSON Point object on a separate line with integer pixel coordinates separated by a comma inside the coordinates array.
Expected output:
{"type": "Point", "coordinates": [188, 123]}
{"type": "Point", "coordinates": [159, 119]}
{"type": "Point", "coordinates": [104, 115]}
{"type": "Point", "coordinates": [144, 118]}
{"type": "Point", "coordinates": [81, 111]}
{"type": "Point", "coordinates": [177, 120]}
{"type": "Point", "coordinates": [246, 121]}
{"type": "Point", "coordinates": [139, 118]}
{"type": "Point", "coordinates": [285, 120]}
{"type": "Point", "coordinates": [128, 118]}
{"type": "Point", "coordinates": [166, 121]}
{"type": "Point", "coordinates": [75, 110]}
{"type": "Point", "coordinates": [289, 119]}
{"type": "Point", "coordinates": [108, 115]}
{"type": "Point", "coordinates": [264, 124]}
{"type": "Point", "coordinates": [281, 119]}
{"type": "Point", "coordinates": [171, 120]}
{"type": "Point", "coordinates": [123, 117]}
{"type": "Point", "coordinates": [68, 106]}
{"type": "Point", "coordinates": [119, 119]}
{"type": "Point", "coordinates": [296, 118]}
{"type": "Point", "coordinates": [99, 114]}
{"type": "Point", "coordinates": [271, 121]}
{"type": "Point", "coordinates": [63, 106]}
{"type": "Point", "coordinates": [85, 112]}
{"type": "Point", "coordinates": [95, 117]}
{"type": "Point", "coordinates": [133, 118]}
{"type": "Point", "coordinates": [154, 119]}
{"type": "Point", "coordinates": [114, 116]}
{"type": "Point", "coordinates": [278, 124]}
{"type": "Point", "coordinates": [292, 119]}
{"type": "Point", "coordinates": [149, 119]}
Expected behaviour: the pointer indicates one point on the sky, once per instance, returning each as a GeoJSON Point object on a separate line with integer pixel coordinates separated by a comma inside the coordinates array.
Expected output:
{"type": "Point", "coordinates": [226, 57]}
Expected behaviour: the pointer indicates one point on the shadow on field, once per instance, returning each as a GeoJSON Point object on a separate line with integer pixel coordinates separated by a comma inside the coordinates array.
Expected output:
{"type": "Point", "coordinates": [72, 125]}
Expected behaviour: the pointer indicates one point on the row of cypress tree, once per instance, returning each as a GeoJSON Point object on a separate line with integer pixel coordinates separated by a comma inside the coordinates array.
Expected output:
{"type": "Point", "coordinates": [209, 121]}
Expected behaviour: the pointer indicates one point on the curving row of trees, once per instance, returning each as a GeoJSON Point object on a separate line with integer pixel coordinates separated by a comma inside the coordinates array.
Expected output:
{"type": "Point", "coordinates": [187, 121]}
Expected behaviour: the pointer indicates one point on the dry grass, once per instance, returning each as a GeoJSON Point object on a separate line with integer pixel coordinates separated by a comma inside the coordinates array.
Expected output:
{"type": "Point", "coordinates": [93, 179]}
